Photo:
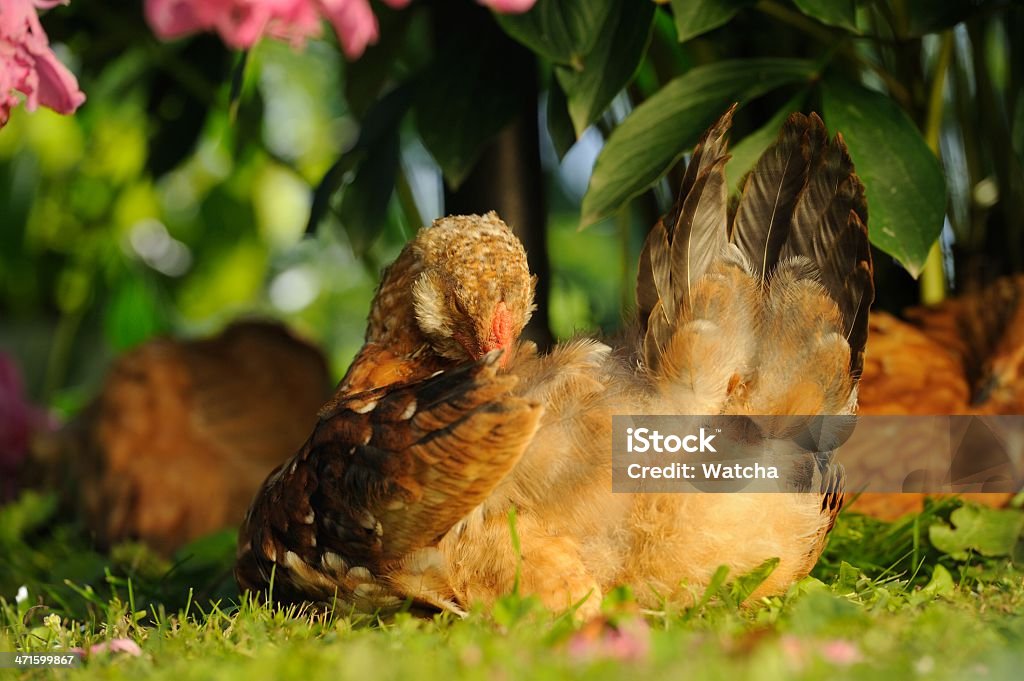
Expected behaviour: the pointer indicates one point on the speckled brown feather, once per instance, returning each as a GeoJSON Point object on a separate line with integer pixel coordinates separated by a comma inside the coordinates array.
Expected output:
{"type": "Point", "coordinates": [383, 474]}
{"type": "Point", "coordinates": [410, 442]}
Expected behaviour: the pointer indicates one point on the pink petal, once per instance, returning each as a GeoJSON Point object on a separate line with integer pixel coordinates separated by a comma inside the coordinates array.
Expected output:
{"type": "Point", "coordinates": [626, 641]}
{"type": "Point", "coordinates": [354, 22]}
{"type": "Point", "coordinates": [509, 6]}
{"type": "Point", "coordinates": [172, 19]}
{"type": "Point", "coordinates": [14, 18]}
{"type": "Point", "coordinates": [58, 87]}
{"type": "Point", "coordinates": [840, 652]}
{"type": "Point", "coordinates": [293, 20]}
{"type": "Point", "coordinates": [117, 645]}
{"type": "Point", "coordinates": [242, 22]}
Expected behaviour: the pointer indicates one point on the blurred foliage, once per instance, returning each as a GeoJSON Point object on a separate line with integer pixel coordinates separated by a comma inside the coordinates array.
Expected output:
{"type": "Point", "coordinates": [197, 184]}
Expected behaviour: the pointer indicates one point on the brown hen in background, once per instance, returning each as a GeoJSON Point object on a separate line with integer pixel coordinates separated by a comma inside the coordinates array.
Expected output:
{"type": "Point", "coordinates": [963, 356]}
{"type": "Point", "coordinates": [182, 433]}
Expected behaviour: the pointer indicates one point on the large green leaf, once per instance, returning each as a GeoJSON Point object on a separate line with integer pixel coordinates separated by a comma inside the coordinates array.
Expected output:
{"type": "Point", "coordinates": [694, 17]}
{"type": "Point", "coordinates": [559, 123]}
{"type": "Point", "coordinates": [610, 65]}
{"type": "Point", "coordinates": [379, 129]}
{"type": "Point", "coordinates": [905, 189]}
{"type": "Point", "coordinates": [660, 130]}
{"type": "Point", "coordinates": [563, 31]}
{"type": "Point", "coordinates": [364, 203]}
{"type": "Point", "coordinates": [476, 86]}
{"type": "Point", "coordinates": [841, 13]}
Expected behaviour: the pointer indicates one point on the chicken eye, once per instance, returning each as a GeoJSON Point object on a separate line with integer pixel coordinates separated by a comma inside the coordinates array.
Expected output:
{"type": "Point", "coordinates": [460, 306]}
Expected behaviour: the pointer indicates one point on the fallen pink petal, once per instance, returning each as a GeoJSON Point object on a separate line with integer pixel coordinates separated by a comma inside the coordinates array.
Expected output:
{"type": "Point", "coordinates": [125, 646]}
{"type": "Point", "coordinates": [627, 641]}
{"type": "Point", "coordinates": [840, 652]}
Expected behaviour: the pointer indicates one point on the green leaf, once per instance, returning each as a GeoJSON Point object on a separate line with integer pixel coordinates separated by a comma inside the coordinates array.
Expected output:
{"type": "Point", "coordinates": [941, 584]}
{"type": "Point", "coordinates": [559, 124]}
{"type": "Point", "coordinates": [367, 76]}
{"type": "Point", "coordinates": [659, 131]}
{"type": "Point", "coordinates": [364, 202]}
{"type": "Point", "coordinates": [474, 88]}
{"type": "Point", "coordinates": [746, 153]}
{"type": "Point", "coordinates": [30, 511]}
{"type": "Point", "coordinates": [694, 17]}
{"type": "Point", "coordinates": [931, 16]}
{"type": "Point", "coordinates": [610, 65]}
{"type": "Point", "coordinates": [984, 530]}
{"type": "Point", "coordinates": [379, 126]}
{"type": "Point", "coordinates": [841, 13]}
{"type": "Point", "coordinates": [563, 31]}
{"type": "Point", "coordinates": [746, 584]}
{"type": "Point", "coordinates": [133, 315]}
{"type": "Point", "coordinates": [905, 189]}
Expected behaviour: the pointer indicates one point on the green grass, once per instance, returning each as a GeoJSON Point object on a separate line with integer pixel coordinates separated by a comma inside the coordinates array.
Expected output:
{"type": "Point", "coordinates": [937, 595]}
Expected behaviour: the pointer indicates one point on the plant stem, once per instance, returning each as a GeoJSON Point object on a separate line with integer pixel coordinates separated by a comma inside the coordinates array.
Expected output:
{"type": "Point", "coordinates": [933, 280]}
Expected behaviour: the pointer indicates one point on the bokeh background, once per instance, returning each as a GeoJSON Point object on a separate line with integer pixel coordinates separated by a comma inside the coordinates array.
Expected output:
{"type": "Point", "coordinates": [201, 183]}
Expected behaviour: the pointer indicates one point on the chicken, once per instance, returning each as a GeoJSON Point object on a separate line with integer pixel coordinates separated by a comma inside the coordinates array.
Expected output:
{"type": "Point", "coordinates": [183, 433]}
{"type": "Point", "coordinates": [726, 309]}
{"type": "Point", "coordinates": [410, 492]}
{"type": "Point", "coordinates": [963, 356]}
{"type": "Point", "coordinates": [460, 293]}
{"type": "Point", "coordinates": [984, 331]}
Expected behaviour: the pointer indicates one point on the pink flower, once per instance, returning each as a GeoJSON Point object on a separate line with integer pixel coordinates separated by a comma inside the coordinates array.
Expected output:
{"type": "Point", "coordinates": [509, 6]}
{"type": "Point", "coordinates": [28, 65]}
{"type": "Point", "coordinates": [241, 23]}
{"type": "Point", "coordinates": [117, 645]}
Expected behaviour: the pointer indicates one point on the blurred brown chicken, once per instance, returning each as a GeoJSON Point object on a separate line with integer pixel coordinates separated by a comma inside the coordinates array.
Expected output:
{"type": "Point", "coordinates": [963, 356]}
{"type": "Point", "coordinates": [183, 433]}
{"type": "Point", "coordinates": [405, 492]}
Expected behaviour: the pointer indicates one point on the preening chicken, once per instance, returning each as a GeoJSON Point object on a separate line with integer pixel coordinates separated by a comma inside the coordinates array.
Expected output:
{"type": "Point", "coordinates": [458, 292]}
{"type": "Point", "coordinates": [461, 289]}
{"type": "Point", "coordinates": [404, 492]}
{"type": "Point", "coordinates": [963, 356]}
{"type": "Point", "coordinates": [183, 433]}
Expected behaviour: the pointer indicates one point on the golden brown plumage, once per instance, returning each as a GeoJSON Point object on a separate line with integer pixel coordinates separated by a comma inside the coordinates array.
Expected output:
{"type": "Point", "coordinates": [183, 432]}
{"type": "Point", "coordinates": [725, 313]}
